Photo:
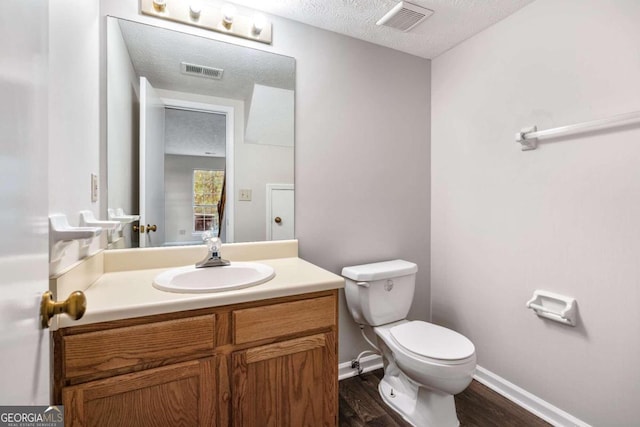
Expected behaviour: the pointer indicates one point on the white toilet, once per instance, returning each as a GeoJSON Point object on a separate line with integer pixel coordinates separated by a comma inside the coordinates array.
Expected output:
{"type": "Point", "coordinates": [424, 364]}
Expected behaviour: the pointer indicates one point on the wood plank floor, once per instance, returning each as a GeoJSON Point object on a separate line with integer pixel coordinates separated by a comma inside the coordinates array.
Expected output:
{"type": "Point", "coordinates": [477, 406]}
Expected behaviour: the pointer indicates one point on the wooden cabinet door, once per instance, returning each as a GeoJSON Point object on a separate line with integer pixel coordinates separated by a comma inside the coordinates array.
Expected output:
{"type": "Point", "coordinates": [291, 383]}
{"type": "Point", "coordinates": [176, 395]}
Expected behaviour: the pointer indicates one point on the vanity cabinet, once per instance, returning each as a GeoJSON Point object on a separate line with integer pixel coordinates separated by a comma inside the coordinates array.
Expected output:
{"type": "Point", "coordinates": [288, 383]}
{"type": "Point", "coordinates": [262, 363]}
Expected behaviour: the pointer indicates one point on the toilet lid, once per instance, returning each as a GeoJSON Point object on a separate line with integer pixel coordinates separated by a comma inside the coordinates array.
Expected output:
{"type": "Point", "coordinates": [433, 341]}
{"type": "Point", "coordinates": [380, 270]}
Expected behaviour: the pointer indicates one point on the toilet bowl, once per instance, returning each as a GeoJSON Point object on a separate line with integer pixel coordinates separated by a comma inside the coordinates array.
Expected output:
{"type": "Point", "coordinates": [420, 380]}
{"type": "Point", "coordinates": [424, 364]}
{"type": "Point", "coordinates": [430, 354]}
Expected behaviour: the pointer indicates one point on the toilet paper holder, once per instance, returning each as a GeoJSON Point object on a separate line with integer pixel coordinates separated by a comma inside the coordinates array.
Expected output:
{"type": "Point", "coordinates": [553, 306]}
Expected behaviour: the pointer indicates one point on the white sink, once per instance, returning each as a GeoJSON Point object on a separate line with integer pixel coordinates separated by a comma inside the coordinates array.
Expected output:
{"type": "Point", "coordinates": [190, 279]}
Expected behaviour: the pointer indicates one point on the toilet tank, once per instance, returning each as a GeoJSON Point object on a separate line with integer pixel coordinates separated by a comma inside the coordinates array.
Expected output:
{"type": "Point", "coordinates": [381, 292]}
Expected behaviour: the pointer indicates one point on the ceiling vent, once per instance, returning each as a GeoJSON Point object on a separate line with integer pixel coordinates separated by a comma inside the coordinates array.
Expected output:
{"type": "Point", "coordinates": [201, 71]}
{"type": "Point", "coordinates": [404, 16]}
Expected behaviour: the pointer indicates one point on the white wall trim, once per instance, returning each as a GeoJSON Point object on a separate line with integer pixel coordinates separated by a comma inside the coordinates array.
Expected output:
{"type": "Point", "coordinates": [526, 400]}
{"type": "Point", "coordinates": [368, 363]}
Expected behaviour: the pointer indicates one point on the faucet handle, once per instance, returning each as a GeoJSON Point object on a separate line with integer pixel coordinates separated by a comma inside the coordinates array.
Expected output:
{"type": "Point", "coordinates": [212, 241]}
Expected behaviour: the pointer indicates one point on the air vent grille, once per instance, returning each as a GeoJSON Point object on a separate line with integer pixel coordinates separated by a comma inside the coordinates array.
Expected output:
{"type": "Point", "coordinates": [201, 71]}
{"type": "Point", "coordinates": [404, 16]}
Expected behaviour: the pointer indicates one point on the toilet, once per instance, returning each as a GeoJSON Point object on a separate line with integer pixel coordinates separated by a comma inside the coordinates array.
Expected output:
{"type": "Point", "coordinates": [424, 364]}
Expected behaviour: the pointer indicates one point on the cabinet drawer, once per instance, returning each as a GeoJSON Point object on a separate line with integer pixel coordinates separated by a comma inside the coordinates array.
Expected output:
{"type": "Point", "coordinates": [120, 348]}
{"type": "Point", "coordinates": [277, 320]}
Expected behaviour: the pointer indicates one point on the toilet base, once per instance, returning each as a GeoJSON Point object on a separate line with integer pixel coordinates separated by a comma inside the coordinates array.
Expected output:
{"type": "Point", "coordinates": [418, 406]}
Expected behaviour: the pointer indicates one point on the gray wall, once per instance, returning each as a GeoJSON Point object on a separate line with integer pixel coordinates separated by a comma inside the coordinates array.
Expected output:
{"type": "Point", "coordinates": [362, 160]}
{"type": "Point", "coordinates": [563, 218]}
{"type": "Point", "coordinates": [362, 151]}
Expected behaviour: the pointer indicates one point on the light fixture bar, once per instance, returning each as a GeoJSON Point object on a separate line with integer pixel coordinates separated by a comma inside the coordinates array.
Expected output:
{"type": "Point", "coordinates": [210, 18]}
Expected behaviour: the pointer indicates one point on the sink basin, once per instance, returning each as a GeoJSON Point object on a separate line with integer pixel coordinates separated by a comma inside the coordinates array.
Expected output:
{"type": "Point", "coordinates": [190, 279]}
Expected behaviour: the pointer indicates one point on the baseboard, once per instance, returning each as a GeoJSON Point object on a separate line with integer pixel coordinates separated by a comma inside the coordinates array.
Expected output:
{"type": "Point", "coordinates": [517, 395]}
{"type": "Point", "coordinates": [526, 400]}
{"type": "Point", "coordinates": [368, 363]}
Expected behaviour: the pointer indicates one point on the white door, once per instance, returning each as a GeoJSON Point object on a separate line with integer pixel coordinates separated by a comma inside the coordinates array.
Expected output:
{"type": "Point", "coordinates": [151, 165]}
{"type": "Point", "coordinates": [280, 221]}
{"type": "Point", "coordinates": [24, 266]}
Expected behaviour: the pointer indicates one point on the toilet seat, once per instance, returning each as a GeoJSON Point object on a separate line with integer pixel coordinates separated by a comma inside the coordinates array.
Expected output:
{"type": "Point", "coordinates": [432, 342]}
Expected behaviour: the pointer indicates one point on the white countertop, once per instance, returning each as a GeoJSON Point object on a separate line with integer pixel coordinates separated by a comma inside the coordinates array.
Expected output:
{"type": "Point", "coordinates": [126, 294]}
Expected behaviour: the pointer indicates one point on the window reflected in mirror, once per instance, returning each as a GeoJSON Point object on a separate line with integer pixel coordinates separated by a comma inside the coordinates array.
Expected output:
{"type": "Point", "coordinates": [207, 198]}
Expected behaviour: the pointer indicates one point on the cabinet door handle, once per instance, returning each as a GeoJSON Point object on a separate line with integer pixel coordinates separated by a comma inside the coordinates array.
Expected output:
{"type": "Point", "coordinates": [278, 220]}
{"type": "Point", "coordinates": [153, 228]}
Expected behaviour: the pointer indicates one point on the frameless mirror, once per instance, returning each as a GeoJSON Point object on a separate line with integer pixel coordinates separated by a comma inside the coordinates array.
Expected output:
{"type": "Point", "coordinates": [200, 136]}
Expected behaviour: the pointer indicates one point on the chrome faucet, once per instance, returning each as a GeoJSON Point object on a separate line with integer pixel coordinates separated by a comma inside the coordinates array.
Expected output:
{"type": "Point", "coordinates": [213, 257]}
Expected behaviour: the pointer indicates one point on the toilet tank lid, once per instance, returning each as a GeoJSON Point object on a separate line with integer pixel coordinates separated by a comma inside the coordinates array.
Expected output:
{"type": "Point", "coordinates": [380, 270]}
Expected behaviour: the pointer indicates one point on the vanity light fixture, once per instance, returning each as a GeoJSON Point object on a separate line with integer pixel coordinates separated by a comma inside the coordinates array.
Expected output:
{"type": "Point", "coordinates": [205, 15]}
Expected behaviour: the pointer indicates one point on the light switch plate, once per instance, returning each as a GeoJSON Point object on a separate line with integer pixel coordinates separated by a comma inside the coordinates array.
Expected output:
{"type": "Point", "coordinates": [245, 195]}
{"type": "Point", "coordinates": [94, 187]}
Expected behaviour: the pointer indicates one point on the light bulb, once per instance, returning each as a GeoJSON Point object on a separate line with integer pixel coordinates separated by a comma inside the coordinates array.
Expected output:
{"type": "Point", "coordinates": [259, 22]}
{"type": "Point", "coordinates": [159, 5]}
{"type": "Point", "coordinates": [228, 11]}
{"type": "Point", "coordinates": [194, 10]}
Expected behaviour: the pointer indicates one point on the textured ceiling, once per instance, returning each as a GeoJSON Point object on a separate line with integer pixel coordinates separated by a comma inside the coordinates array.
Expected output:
{"type": "Point", "coordinates": [453, 21]}
{"type": "Point", "coordinates": [156, 54]}
{"type": "Point", "coordinates": [194, 133]}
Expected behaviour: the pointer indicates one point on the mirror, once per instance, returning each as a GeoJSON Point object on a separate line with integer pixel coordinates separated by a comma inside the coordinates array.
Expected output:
{"type": "Point", "coordinates": [200, 136]}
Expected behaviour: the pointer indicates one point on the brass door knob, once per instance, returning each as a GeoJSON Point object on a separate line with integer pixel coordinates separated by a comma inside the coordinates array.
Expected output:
{"type": "Point", "coordinates": [278, 220]}
{"type": "Point", "coordinates": [153, 228]}
{"type": "Point", "coordinates": [136, 228]}
{"type": "Point", "coordinates": [74, 307]}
